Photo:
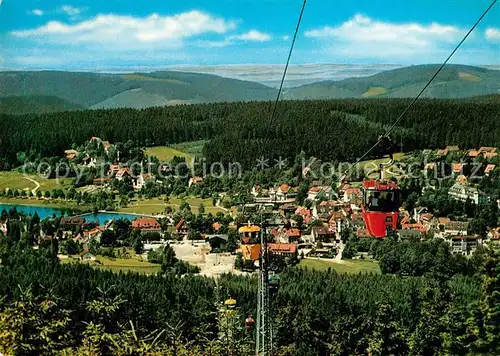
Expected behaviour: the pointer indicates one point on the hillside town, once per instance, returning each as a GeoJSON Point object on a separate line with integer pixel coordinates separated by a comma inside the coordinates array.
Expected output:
{"type": "Point", "coordinates": [314, 219]}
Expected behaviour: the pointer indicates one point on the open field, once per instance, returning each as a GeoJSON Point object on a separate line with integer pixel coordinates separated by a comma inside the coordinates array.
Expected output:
{"type": "Point", "coordinates": [152, 79]}
{"type": "Point", "coordinates": [17, 180]}
{"type": "Point", "coordinates": [371, 167]}
{"type": "Point", "coordinates": [344, 266]}
{"type": "Point", "coordinates": [158, 205]}
{"type": "Point", "coordinates": [374, 91]}
{"type": "Point", "coordinates": [120, 264]}
{"type": "Point", "coordinates": [165, 153]}
{"type": "Point", "coordinates": [469, 77]}
{"type": "Point", "coordinates": [194, 148]}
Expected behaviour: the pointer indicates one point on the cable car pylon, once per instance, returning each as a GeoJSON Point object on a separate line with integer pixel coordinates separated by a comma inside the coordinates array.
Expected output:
{"type": "Point", "coordinates": [264, 334]}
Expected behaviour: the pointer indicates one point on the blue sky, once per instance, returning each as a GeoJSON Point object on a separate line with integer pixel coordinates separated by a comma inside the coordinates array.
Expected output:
{"type": "Point", "coordinates": [100, 34]}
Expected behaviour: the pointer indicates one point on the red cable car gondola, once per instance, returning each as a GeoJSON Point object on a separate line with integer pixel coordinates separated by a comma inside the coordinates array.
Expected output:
{"type": "Point", "coordinates": [380, 207]}
{"type": "Point", "coordinates": [381, 203]}
{"type": "Point", "coordinates": [249, 323]}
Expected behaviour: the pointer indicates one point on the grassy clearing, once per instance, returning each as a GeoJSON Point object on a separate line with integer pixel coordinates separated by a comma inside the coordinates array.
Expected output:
{"type": "Point", "coordinates": [158, 205]}
{"type": "Point", "coordinates": [165, 153]}
{"type": "Point", "coordinates": [17, 180]}
{"type": "Point", "coordinates": [469, 77]}
{"type": "Point", "coordinates": [345, 266]}
{"type": "Point", "coordinates": [374, 91]}
{"type": "Point", "coordinates": [370, 167]}
{"type": "Point", "coordinates": [120, 264]}
{"type": "Point", "coordinates": [194, 148]}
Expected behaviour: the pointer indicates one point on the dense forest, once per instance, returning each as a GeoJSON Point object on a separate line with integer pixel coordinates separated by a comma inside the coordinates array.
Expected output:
{"type": "Point", "coordinates": [335, 130]}
{"type": "Point", "coordinates": [48, 306]}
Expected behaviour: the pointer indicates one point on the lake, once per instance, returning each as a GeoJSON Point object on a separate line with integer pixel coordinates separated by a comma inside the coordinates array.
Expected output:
{"type": "Point", "coordinates": [45, 212]}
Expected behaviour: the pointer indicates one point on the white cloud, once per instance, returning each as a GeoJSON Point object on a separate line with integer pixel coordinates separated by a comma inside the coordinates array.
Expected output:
{"type": "Point", "coordinates": [493, 34]}
{"type": "Point", "coordinates": [128, 31]}
{"type": "Point", "coordinates": [253, 35]}
{"type": "Point", "coordinates": [285, 38]}
{"type": "Point", "coordinates": [363, 37]}
{"type": "Point", "coordinates": [71, 11]}
{"type": "Point", "coordinates": [214, 44]}
{"type": "Point", "coordinates": [36, 12]}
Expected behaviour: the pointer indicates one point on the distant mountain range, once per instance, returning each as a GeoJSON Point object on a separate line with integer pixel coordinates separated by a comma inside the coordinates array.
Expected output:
{"type": "Point", "coordinates": [51, 91]}
{"type": "Point", "coordinates": [297, 75]}
{"type": "Point", "coordinates": [454, 81]}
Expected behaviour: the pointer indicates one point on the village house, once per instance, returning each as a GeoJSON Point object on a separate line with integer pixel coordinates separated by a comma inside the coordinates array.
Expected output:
{"type": "Point", "coordinates": [430, 166]}
{"type": "Point", "coordinates": [141, 180]}
{"type": "Point", "coordinates": [293, 235]}
{"type": "Point", "coordinates": [216, 226]}
{"type": "Point", "coordinates": [3, 228]}
{"type": "Point", "coordinates": [337, 222]}
{"type": "Point", "coordinates": [286, 209]}
{"type": "Point", "coordinates": [146, 225]}
{"type": "Point", "coordinates": [258, 191]}
{"type": "Point", "coordinates": [71, 223]}
{"type": "Point", "coordinates": [442, 152]}
{"type": "Point", "coordinates": [285, 250]}
{"type": "Point", "coordinates": [122, 173]}
{"type": "Point", "coordinates": [452, 148]}
{"type": "Point", "coordinates": [456, 228]}
{"type": "Point", "coordinates": [182, 228]}
{"type": "Point", "coordinates": [197, 181]}
{"type": "Point", "coordinates": [113, 169]}
{"type": "Point", "coordinates": [217, 241]}
{"type": "Point", "coordinates": [490, 154]}
{"type": "Point", "coordinates": [283, 235]}
{"type": "Point", "coordinates": [322, 191]}
{"type": "Point", "coordinates": [494, 235]}
{"type": "Point", "coordinates": [94, 234]}
{"type": "Point", "coordinates": [489, 168]}
{"type": "Point", "coordinates": [325, 208]}
{"type": "Point", "coordinates": [305, 213]}
{"type": "Point", "coordinates": [464, 245]}
{"type": "Point", "coordinates": [322, 234]}
{"type": "Point", "coordinates": [463, 192]}
{"type": "Point", "coordinates": [486, 152]}
{"type": "Point", "coordinates": [428, 220]}
{"type": "Point", "coordinates": [405, 217]}
{"type": "Point", "coordinates": [352, 194]}
{"type": "Point", "coordinates": [282, 193]}
{"type": "Point", "coordinates": [106, 146]}
{"type": "Point", "coordinates": [473, 153]}
{"type": "Point", "coordinates": [457, 168]}
{"type": "Point", "coordinates": [461, 179]}
{"type": "Point", "coordinates": [488, 149]}
{"type": "Point", "coordinates": [71, 154]}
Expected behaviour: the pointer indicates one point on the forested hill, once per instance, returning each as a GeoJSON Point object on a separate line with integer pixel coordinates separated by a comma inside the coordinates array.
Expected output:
{"type": "Point", "coordinates": [241, 132]}
{"type": "Point", "coordinates": [141, 90]}
{"type": "Point", "coordinates": [131, 90]}
{"type": "Point", "coordinates": [35, 104]}
{"type": "Point", "coordinates": [454, 81]}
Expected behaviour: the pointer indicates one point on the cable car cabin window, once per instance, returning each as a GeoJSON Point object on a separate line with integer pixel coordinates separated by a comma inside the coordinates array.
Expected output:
{"type": "Point", "coordinates": [384, 201]}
